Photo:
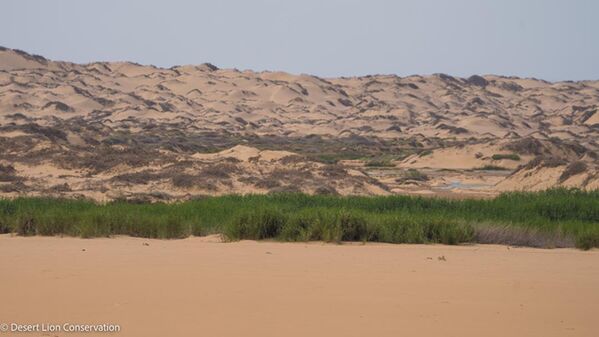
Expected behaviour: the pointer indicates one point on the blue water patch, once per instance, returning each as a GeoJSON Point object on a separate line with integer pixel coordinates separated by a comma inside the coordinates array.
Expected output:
{"type": "Point", "coordinates": [459, 185]}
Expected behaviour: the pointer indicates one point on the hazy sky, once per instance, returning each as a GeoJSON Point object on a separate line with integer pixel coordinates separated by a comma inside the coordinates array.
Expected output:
{"type": "Point", "coordinates": [553, 40]}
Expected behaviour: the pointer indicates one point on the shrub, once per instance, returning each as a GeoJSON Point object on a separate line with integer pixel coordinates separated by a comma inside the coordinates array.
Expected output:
{"type": "Point", "coordinates": [219, 171]}
{"type": "Point", "coordinates": [491, 168]}
{"type": "Point", "coordinates": [326, 158]}
{"type": "Point", "coordinates": [573, 169]}
{"type": "Point", "coordinates": [414, 174]}
{"type": "Point", "coordinates": [183, 180]}
{"type": "Point", "coordinates": [60, 188]}
{"type": "Point", "coordinates": [588, 240]}
{"type": "Point", "coordinates": [525, 237]}
{"type": "Point", "coordinates": [510, 156]}
{"type": "Point", "coordinates": [527, 146]}
{"type": "Point", "coordinates": [325, 190]}
{"type": "Point", "coordinates": [425, 153]}
{"type": "Point", "coordinates": [16, 186]}
{"type": "Point", "coordinates": [266, 183]}
{"type": "Point", "coordinates": [8, 173]}
{"type": "Point", "coordinates": [141, 177]}
{"type": "Point", "coordinates": [379, 163]}
{"type": "Point", "coordinates": [333, 171]}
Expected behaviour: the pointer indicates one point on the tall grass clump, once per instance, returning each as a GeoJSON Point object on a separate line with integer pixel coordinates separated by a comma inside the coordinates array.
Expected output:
{"type": "Point", "coordinates": [587, 240]}
{"type": "Point", "coordinates": [259, 224]}
{"type": "Point", "coordinates": [553, 218]}
{"type": "Point", "coordinates": [337, 225]}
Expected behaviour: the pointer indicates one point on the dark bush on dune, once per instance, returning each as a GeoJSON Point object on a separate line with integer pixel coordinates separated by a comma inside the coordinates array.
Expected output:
{"type": "Point", "coordinates": [59, 106]}
{"type": "Point", "coordinates": [477, 80]}
{"type": "Point", "coordinates": [210, 66]}
{"type": "Point", "coordinates": [573, 169]}
{"type": "Point", "coordinates": [7, 173]}
{"type": "Point", "coordinates": [345, 102]}
{"type": "Point", "coordinates": [527, 146]}
{"type": "Point", "coordinates": [326, 190]}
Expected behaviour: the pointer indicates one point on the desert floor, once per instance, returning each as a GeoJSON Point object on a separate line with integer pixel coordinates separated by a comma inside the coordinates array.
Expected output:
{"type": "Point", "coordinates": [200, 287]}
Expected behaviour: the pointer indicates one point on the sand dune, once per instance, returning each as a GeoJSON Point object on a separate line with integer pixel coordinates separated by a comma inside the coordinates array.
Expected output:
{"type": "Point", "coordinates": [102, 120]}
{"type": "Point", "coordinates": [497, 108]}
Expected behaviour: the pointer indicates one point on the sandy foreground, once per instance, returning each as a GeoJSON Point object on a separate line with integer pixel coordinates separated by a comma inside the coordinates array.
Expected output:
{"type": "Point", "coordinates": [199, 287]}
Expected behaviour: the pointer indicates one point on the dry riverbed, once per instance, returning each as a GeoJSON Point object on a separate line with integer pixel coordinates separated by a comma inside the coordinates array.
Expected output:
{"type": "Point", "coordinates": [200, 286]}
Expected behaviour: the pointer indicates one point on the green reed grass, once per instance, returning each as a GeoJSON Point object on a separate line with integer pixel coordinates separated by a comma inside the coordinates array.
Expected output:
{"type": "Point", "coordinates": [552, 218]}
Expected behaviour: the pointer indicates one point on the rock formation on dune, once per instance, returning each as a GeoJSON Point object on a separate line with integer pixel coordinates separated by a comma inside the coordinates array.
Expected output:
{"type": "Point", "coordinates": [92, 129]}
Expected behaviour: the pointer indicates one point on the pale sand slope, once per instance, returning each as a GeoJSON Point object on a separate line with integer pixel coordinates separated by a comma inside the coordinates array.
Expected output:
{"type": "Point", "coordinates": [196, 288]}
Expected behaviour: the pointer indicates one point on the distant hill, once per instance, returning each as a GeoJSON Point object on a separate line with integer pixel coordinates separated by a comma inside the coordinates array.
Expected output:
{"type": "Point", "coordinates": [93, 122]}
